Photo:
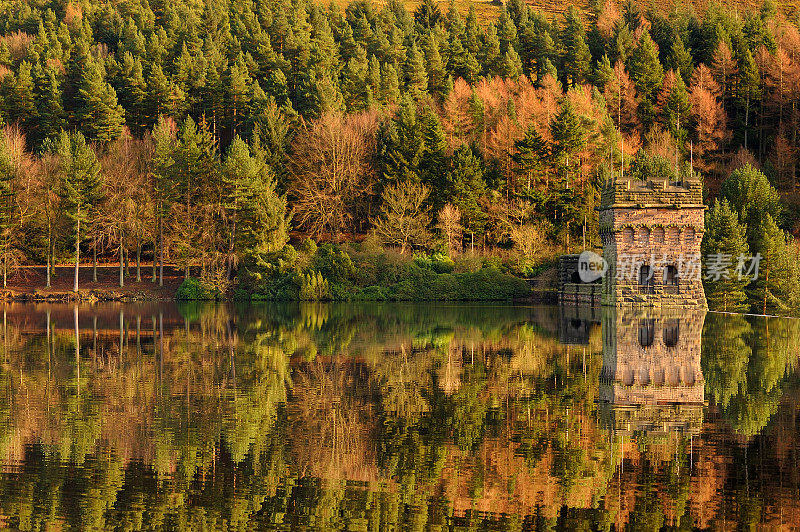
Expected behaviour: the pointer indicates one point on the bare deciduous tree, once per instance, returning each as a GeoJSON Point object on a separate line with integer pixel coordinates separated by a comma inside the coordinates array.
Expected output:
{"type": "Point", "coordinates": [404, 218]}
{"type": "Point", "coordinates": [449, 223]}
{"type": "Point", "coordinates": [333, 175]}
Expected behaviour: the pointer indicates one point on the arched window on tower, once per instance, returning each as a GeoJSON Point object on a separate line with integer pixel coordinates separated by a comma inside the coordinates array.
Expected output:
{"type": "Point", "coordinates": [690, 236]}
{"type": "Point", "coordinates": [671, 332]}
{"type": "Point", "coordinates": [627, 235]}
{"type": "Point", "coordinates": [671, 279]}
{"type": "Point", "coordinates": [645, 279]}
{"type": "Point", "coordinates": [647, 332]}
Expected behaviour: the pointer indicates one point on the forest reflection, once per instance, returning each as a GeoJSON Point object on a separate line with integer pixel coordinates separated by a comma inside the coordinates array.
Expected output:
{"type": "Point", "coordinates": [380, 416]}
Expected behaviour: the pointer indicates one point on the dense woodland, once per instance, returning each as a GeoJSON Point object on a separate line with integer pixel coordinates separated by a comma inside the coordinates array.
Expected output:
{"type": "Point", "coordinates": [201, 134]}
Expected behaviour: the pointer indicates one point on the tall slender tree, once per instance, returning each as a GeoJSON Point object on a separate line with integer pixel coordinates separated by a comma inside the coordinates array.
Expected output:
{"type": "Point", "coordinates": [80, 185]}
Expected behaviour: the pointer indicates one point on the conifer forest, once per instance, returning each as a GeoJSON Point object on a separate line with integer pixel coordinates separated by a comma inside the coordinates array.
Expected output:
{"type": "Point", "coordinates": [292, 149]}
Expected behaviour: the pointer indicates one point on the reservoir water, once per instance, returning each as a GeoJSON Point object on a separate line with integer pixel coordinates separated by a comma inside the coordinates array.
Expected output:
{"type": "Point", "coordinates": [396, 417]}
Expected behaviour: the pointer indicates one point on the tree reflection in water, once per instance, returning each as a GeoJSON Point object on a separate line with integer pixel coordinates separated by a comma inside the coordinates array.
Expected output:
{"type": "Point", "coordinates": [380, 416]}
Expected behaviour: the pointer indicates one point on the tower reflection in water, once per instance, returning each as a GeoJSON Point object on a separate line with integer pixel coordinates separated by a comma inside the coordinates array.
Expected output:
{"type": "Point", "coordinates": [651, 381]}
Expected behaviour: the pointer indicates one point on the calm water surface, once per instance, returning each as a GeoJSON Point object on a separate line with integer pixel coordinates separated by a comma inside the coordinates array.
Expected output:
{"type": "Point", "coordinates": [396, 417]}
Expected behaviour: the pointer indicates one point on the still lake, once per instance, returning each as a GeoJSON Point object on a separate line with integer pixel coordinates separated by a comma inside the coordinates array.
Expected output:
{"type": "Point", "coordinates": [396, 417]}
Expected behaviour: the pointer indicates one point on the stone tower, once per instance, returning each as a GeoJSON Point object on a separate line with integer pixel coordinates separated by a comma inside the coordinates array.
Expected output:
{"type": "Point", "coordinates": [651, 233]}
{"type": "Point", "coordinates": [651, 378]}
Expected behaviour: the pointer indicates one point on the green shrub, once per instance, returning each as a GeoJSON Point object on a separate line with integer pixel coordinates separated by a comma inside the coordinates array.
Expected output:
{"type": "Point", "coordinates": [373, 293]}
{"type": "Point", "coordinates": [384, 275]}
{"type": "Point", "coordinates": [467, 262]}
{"type": "Point", "coordinates": [313, 287]}
{"type": "Point", "coordinates": [490, 284]}
{"type": "Point", "coordinates": [438, 262]}
{"type": "Point", "coordinates": [334, 264]}
{"type": "Point", "coordinates": [307, 246]}
{"type": "Point", "coordinates": [194, 289]}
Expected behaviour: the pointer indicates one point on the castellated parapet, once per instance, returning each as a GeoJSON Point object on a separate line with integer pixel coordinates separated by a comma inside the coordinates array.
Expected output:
{"type": "Point", "coordinates": [651, 233]}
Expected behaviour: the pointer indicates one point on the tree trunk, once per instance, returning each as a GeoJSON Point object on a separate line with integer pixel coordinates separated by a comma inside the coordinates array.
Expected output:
{"type": "Point", "coordinates": [94, 261]}
{"type": "Point", "coordinates": [5, 267]}
{"type": "Point", "coordinates": [746, 120]}
{"type": "Point", "coordinates": [138, 261]}
{"type": "Point", "coordinates": [77, 262]}
{"type": "Point", "coordinates": [77, 344]}
{"type": "Point", "coordinates": [121, 264]}
{"type": "Point", "coordinates": [231, 250]}
{"type": "Point", "coordinates": [161, 251]}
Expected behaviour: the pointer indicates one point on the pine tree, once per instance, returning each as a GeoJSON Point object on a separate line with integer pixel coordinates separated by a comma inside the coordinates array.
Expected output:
{"type": "Point", "coordinates": [401, 145]}
{"type": "Point", "coordinates": [461, 62]}
{"type": "Point", "coordinates": [390, 84]}
{"type": "Point", "coordinates": [467, 187]}
{"type": "Point", "coordinates": [749, 87]}
{"type": "Point", "coordinates": [490, 56]}
{"type": "Point", "coordinates": [81, 186]}
{"type": "Point", "coordinates": [506, 31]}
{"type": "Point", "coordinates": [569, 137]}
{"type": "Point", "coordinates": [433, 160]}
{"type": "Point", "coordinates": [415, 76]}
{"type": "Point", "coordinates": [258, 214]}
{"type": "Point", "coordinates": [577, 58]}
{"type": "Point", "coordinates": [271, 138]}
{"type": "Point", "coordinates": [163, 173]}
{"type": "Point", "coordinates": [677, 109]}
{"type": "Point", "coordinates": [17, 95]}
{"type": "Point", "coordinates": [327, 97]}
{"type": "Point", "coordinates": [354, 80]}
{"type": "Point", "coordinates": [511, 66]}
{"type": "Point", "coordinates": [276, 87]}
{"type": "Point", "coordinates": [238, 85]}
{"type": "Point", "coordinates": [531, 156]}
{"type": "Point", "coordinates": [776, 287]}
{"type": "Point", "coordinates": [99, 115]}
{"type": "Point", "coordinates": [603, 73]}
{"type": "Point", "coordinates": [647, 74]}
{"type": "Point", "coordinates": [471, 31]}
{"type": "Point", "coordinates": [159, 93]}
{"type": "Point", "coordinates": [680, 59]}
{"type": "Point", "coordinates": [437, 76]}
{"type": "Point", "coordinates": [49, 110]}
{"type": "Point", "coordinates": [623, 45]}
{"type": "Point", "coordinates": [725, 239]}
{"type": "Point", "coordinates": [752, 197]}
{"type": "Point", "coordinates": [132, 91]}
{"type": "Point", "coordinates": [428, 14]}
{"type": "Point", "coordinates": [196, 166]}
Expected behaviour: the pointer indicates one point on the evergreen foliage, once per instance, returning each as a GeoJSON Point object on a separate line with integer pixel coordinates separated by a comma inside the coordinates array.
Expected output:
{"type": "Point", "coordinates": [511, 120]}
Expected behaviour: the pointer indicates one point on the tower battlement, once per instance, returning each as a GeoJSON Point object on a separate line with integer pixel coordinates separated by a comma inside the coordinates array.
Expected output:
{"type": "Point", "coordinates": [661, 192]}
{"type": "Point", "coordinates": [651, 232]}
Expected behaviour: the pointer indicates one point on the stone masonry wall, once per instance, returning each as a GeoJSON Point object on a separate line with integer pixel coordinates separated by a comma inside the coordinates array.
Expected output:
{"type": "Point", "coordinates": [655, 225]}
{"type": "Point", "coordinates": [665, 371]}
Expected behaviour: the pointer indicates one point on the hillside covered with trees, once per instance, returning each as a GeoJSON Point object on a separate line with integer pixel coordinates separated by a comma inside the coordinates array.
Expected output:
{"type": "Point", "coordinates": [202, 134]}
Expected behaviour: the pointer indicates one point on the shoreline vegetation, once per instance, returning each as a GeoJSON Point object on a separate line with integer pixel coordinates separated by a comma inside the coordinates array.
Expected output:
{"type": "Point", "coordinates": [425, 154]}
{"type": "Point", "coordinates": [328, 275]}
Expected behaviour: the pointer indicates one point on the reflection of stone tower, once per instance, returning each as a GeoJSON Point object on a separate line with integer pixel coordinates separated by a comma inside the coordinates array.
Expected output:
{"type": "Point", "coordinates": [651, 233]}
{"type": "Point", "coordinates": [651, 378]}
